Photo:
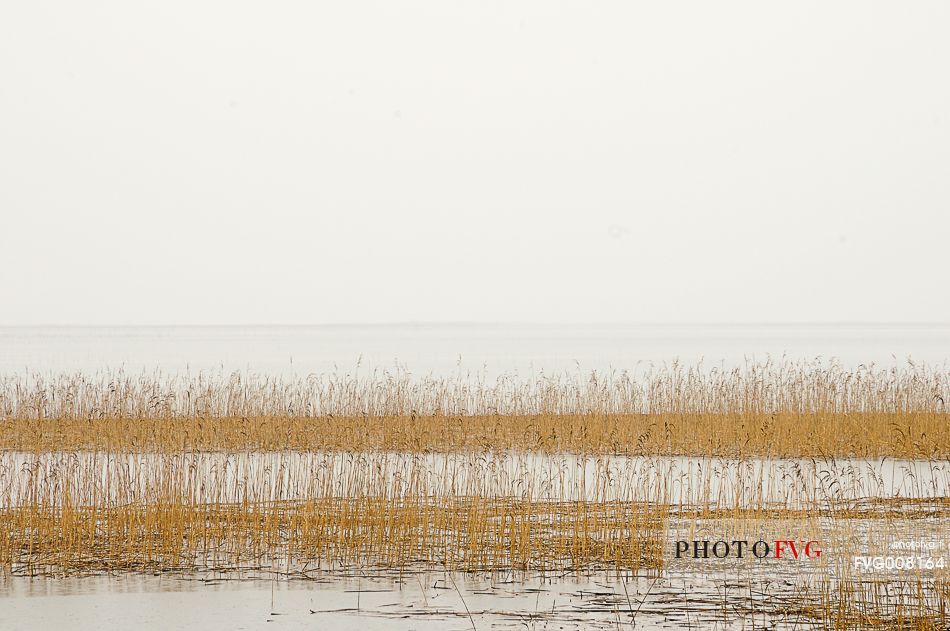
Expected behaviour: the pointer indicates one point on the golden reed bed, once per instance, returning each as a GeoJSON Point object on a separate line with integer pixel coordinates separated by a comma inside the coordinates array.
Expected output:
{"type": "Point", "coordinates": [161, 515]}
{"type": "Point", "coordinates": [872, 434]}
{"type": "Point", "coordinates": [465, 534]}
{"type": "Point", "coordinates": [771, 408]}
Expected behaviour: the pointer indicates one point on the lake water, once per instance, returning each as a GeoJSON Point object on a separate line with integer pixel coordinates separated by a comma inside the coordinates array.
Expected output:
{"type": "Point", "coordinates": [446, 350]}
{"type": "Point", "coordinates": [206, 477]}
{"type": "Point", "coordinates": [430, 601]}
{"type": "Point", "coordinates": [769, 594]}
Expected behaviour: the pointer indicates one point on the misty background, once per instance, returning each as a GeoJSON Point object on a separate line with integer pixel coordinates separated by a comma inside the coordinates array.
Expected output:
{"type": "Point", "coordinates": [435, 161]}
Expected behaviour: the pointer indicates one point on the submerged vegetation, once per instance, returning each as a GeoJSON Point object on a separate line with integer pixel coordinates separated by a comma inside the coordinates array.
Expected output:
{"type": "Point", "coordinates": [574, 474]}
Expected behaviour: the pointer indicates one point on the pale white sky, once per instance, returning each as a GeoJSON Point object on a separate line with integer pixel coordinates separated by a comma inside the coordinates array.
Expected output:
{"type": "Point", "coordinates": [307, 162]}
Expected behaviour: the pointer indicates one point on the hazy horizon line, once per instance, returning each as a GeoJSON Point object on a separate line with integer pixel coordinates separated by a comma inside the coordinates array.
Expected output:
{"type": "Point", "coordinates": [492, 323]}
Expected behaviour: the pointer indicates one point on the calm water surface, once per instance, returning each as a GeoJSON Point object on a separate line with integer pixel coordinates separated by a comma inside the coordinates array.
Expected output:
{"type": "Point", "coordinates": [453, 348]}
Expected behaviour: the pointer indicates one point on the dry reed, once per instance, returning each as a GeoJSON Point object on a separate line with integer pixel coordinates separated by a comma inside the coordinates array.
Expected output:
{"type": "Point", "coordinates": [567, 473]}
{"type": "Point", "coordinates": [780, 409]}
{"type": "Point", "coordinates": [756, 388]}
{"type": "Point", "coordinates": [907, 435]}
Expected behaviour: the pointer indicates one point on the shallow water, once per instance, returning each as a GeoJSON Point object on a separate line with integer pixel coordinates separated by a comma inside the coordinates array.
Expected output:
{"type": "Point", "coordinates": [278, 476]}
{"type": "Point", "coordinates": [725, 593]}
{"type": "Point", "coordinates": [686, 594]}
{"type": "Point", "coordinates": [447, 350]}
{"type": "Point", "coordinates": [423, 601]}
{"type": "Point", "coordinates": [689, 593]}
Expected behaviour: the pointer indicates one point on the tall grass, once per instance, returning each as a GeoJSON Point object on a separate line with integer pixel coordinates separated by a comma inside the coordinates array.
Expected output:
{"type": "Point", "coordinates": [757, 388]}
{"type": "Point", "coordinates": [304, 515]}
{"type": "Point", "coordinates": [782, 409]}
{"type": "Point", "coordinates": [71, 512]}
{"type": "Point", "coordinates": [569, 473]}
{"type": "Point", "coordinates": [909, 435]}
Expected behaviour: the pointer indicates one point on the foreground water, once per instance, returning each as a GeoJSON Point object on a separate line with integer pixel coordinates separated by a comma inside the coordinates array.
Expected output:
{"type": "Point", "coordinates": [720, 594]}
{"type": "Point", "coordinates": [447, 350]}
{"type": "Point", "coordinates": [854, 509]}
{"type": "Point", "coordinates": [424, 601]}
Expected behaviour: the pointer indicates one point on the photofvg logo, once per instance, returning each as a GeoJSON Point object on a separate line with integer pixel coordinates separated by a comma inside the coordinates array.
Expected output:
{"type": "Point", "coordinates": [794, 549]}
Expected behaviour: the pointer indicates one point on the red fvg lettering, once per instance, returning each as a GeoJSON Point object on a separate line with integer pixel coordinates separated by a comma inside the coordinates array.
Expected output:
{"type": "Point", "coordinates": [809, 548]}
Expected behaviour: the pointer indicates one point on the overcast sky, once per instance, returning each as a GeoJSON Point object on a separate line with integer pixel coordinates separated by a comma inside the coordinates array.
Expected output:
{"type": "Point", "coordinates": [189, 162]}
